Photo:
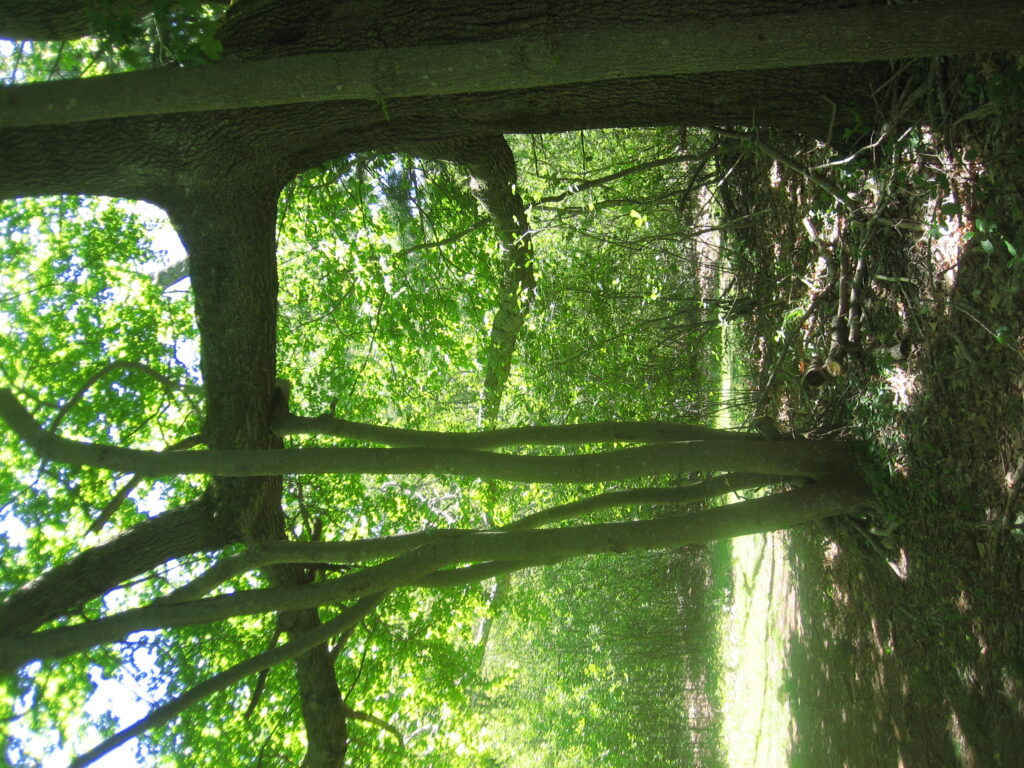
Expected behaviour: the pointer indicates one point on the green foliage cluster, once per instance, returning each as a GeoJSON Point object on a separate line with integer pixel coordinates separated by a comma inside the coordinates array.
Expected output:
{"type": "Point", "coordinates": [611, 661]}
{"type": "Point", "coordinates": [619, 307]}
{"type": "Point", "coordinates": [171, 33]}
{"type": "Point", "coordinates": [76, 305]}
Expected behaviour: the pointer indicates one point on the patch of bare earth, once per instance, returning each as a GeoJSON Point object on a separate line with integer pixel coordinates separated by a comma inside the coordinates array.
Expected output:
{"type": "Point", "coordinates": [909, 648]}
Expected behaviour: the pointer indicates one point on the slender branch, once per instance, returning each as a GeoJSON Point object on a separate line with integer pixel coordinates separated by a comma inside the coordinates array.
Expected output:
{"type": "Point", "coordinates": [452, 548]}
{"type": "Point", "coordinates": [488, 439]}
{"type": "Point", "coordinates": [261, 679]}
{"type": "Point", "coordinates": [278, 552]}
{"type": "Point", "coordinates": [584, 184]}
{"type": "Point", "coordinates": [403, 570]}
{"type": "Point", "coordinates": [114, 504]}
{"type": "Point", "coordinates": [132, 365]}
{"type": "Point", "coordinates": [687, 494]}
{"type": "Point", "coordinates": [617, 202]}
{"type": "Point", "coordinates": [452, 238]}
{"type": "Point", "coordinates": [847, 200]}
{"type": "Point", "coordinates": [219, 682]}
{"type": "Point", "coordinates": [133, 482]}
{"type": "Point", "coordinates": [366, 717]}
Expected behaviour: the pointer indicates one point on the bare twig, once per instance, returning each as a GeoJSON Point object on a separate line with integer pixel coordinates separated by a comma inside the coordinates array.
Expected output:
{"type": "Point", "coordinates": [118, 498]}
{"type": "Point", "coordinates": [133, 365]}
{"type": "Point", "coordinates": [167, 712]}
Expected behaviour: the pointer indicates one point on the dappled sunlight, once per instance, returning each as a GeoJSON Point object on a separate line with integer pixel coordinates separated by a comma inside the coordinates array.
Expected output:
{"type": "Point", "coordinates": [965, 757]}
{"type": "Point", "coordinates": [907, 651]}
{"type": "Point", "coordinates": [763, 616]}
{"type": "Point", "coordinates": [902, 384]}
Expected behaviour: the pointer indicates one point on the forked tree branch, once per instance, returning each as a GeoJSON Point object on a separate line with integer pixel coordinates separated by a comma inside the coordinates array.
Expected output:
{"type": "Point", "coordinates": [792, 459]}
{"type": "Point", "coordinates": [453, 548]}
{"type": "Point", "coordinates": [131, 365]}
{"type": "Point", "coordinates": [364, 550]}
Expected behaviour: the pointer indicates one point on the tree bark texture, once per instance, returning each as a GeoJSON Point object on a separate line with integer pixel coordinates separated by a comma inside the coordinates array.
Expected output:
{"type": "Point", "coordinates": [228, 229]}
{"type": "Point", "coordinates": [489, 439]}
{"type": "Point", "coordinates": [815, 459]}
{"type": "Point", "coordinates": [570, 55]}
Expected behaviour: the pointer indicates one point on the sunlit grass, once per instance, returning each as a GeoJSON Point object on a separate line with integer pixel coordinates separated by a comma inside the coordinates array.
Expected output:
{"type": "Point", "coordinates": [754, 632]}
{"type": "Point", "coordinates": [753, 653]}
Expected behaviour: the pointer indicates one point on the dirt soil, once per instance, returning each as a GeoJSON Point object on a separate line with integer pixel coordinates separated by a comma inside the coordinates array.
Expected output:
{"type": "Point", "coordinates": [909, 650]}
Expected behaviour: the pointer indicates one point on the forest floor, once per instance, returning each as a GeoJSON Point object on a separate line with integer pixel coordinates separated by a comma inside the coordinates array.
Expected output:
{"type": "Point", "coordinates": [909, 645]}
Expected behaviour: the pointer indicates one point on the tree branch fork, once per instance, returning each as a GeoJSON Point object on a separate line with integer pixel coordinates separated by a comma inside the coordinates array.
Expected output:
{"type": "Point", "coordinates": [448, 557]}
{"type": "Point", "coordinates": [439, 558]}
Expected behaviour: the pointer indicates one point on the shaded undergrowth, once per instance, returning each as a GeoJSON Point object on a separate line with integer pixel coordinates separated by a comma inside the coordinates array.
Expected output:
{"type": "Point", "coordinates": [910, 648]}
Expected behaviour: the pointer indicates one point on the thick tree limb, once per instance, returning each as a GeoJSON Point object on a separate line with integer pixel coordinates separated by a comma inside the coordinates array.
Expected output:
{"type": "Point", "coordinates": [859, 34]}
{"type": "Point", "coordinates": [194, 527]}
{"type": "Point", "coordinates": [452, 548]}
{"type": "Point", "coordinates": [792, 459]}
{"type": "Point", "coordinates": [369, 549]}
{"type": "Point", "coordinates": [380, 578]}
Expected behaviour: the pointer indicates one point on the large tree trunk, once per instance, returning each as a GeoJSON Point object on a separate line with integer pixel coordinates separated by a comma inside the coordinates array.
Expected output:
{"type": "Point", "coordinates": [543, 57]}
{"type": "Point", "coordinates": [228, 228]}
{"type": "Point", "coordinates": [140, 157]}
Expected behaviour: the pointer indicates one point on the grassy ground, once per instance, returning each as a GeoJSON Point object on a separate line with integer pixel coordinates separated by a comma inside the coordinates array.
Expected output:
{"type": "Point", "coordinates": [908, 644]}
{"type": "Point", "coordinates": [762, 615]}
{"type": "Point", "coordinates": [755, 630]}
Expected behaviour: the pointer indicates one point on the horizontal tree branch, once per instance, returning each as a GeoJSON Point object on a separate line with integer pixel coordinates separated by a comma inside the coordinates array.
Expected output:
{"type": "Point", "coordinates": [473, 574]}
{"type": "Point", "coordinates": [860, 34]}
{"type": "Point", "coordinates": [363, 550]}
{"type": "Point", "coordinates": [488, 439]}
{"type": "Point", "coordinates": [634, 497]}
{"type": "Point", "coordinates": [67, 640]}
{"type": "Point", "coordinates": [175, 533]}
{"type": "Point", "coordinates": [793, 459]}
